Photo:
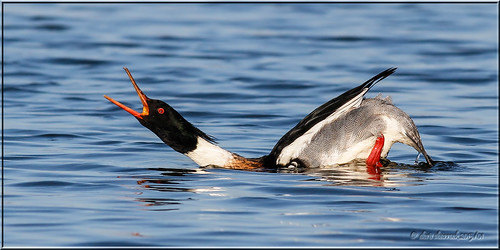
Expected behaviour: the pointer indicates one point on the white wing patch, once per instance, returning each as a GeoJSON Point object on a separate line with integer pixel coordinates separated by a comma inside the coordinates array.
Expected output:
{"type": "Point", "coordinates": [294, 149]}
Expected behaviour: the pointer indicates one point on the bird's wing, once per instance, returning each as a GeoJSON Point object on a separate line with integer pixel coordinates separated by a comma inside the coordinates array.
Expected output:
{"type": "Point", "coordinates": [292, 143]}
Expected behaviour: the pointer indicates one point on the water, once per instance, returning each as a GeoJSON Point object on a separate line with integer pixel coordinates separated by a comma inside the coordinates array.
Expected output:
{"type": "Point", "coordinates": [79, 171]}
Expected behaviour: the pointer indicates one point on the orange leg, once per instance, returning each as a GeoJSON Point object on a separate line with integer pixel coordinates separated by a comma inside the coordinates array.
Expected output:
{"type": "Point", "coordinates": [373, 161]}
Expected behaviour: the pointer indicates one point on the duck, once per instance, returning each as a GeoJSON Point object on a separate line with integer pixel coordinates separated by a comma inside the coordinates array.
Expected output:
{"type": "Point", "coordinates": [346, 128]}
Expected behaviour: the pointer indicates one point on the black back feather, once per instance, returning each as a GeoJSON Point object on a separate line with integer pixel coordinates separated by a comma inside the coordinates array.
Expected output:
{"type": "Point", "coordinates": [322, 112]}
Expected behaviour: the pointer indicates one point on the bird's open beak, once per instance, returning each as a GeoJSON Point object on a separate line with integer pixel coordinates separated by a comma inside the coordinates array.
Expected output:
{"type": "Point", "coordinates": [144, 98]}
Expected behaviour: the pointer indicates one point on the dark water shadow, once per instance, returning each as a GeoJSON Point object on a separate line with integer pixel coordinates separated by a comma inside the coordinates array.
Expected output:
{"type": "Point", "coordinates": [171, 180]}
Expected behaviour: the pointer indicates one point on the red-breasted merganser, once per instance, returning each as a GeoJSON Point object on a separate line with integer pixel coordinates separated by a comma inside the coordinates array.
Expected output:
{"type": "Point", "coordinates": [343, 129]}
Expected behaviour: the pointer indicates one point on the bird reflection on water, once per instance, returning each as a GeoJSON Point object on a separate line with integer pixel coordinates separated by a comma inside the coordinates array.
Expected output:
{"type": "Point", "coordinates": [391, 175]}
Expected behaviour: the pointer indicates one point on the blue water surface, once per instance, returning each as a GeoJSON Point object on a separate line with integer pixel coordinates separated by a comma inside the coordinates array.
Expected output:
{"type": "Point", "coordinates": [79, 171]}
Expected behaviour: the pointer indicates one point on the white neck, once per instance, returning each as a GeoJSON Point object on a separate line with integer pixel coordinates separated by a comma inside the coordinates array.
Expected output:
{"type": "Point", "coordinates": [207, 154]}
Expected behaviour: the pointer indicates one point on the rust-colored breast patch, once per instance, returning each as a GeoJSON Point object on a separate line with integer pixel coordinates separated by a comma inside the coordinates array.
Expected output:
{"type": "Point", "coordinates": [242, 163]}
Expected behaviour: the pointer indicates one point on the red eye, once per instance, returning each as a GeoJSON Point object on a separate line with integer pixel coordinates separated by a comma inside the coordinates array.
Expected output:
{"type": "Point", "coordinates": [161, 111]}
